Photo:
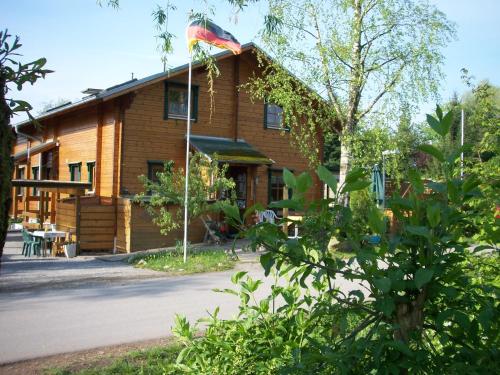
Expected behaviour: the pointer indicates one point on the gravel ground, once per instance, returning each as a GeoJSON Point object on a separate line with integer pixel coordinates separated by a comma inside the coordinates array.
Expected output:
{"type": "Point", "coordinates": [19, 273]}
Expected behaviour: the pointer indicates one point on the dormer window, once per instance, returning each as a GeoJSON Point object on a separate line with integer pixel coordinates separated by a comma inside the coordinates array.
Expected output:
{"type": "Point", "coordinates": [273, 116]}
{"type": "Point", "coordinates": [176, 101]}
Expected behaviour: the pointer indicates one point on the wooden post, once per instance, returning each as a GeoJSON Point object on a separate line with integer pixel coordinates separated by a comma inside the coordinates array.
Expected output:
{"type": "Point", "coordinates": [53, 207]}
{"type": "Point", "coordinates": [41, 206]}
{"type": "Point", "coordinates": [78, 214]}
{"type": "Point", "coordinates": [285, 210]}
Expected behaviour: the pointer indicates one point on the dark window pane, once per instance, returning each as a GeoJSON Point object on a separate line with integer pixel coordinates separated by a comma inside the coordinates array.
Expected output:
{"type": "Point", "coordinates": [274, 116]}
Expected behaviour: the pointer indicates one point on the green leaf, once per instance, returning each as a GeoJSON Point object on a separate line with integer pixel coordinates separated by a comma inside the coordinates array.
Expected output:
{"type": "Point", "coordinates": [434, 215]}
{"type": "Point", "coordinates": [304, 182]}
{"type": "Point", "coordinates": [401, 347]}
{"type": "Point", "coordinates": [327, 177]}
{"type": "Point", "coordinates": [289, 179]}
{"type": "Point", "coordinates": [439, 112]}
{"type": "Point", "coordinates": [433, 151]}
{"type": "Point", "coordinates": [237, 276]}
{"type": "Point", "coordinates": [232, 211]}
{"type": "Point", "coordinates": [418, 231]}
{"type": "Point", "coordinates": [383, 284]}
{"type": "Point", "coordinates": [434, 124]}
{"type": "Point", "coordinates": [385, 305]}
{"type": "Point", "coordinates": [416, 180]}
{"type": "Point", "coordinates": [354, 175]}
{"type": "Point", "coordinates": [375, 221]}
{"type": "Point", "coordinates": [356, 185]}
{"type": "Point", "coordinates": [267, 261]}
{"type": "Point", "coordinates": [423, 276]}
{"type": "Point", "coordinates": [446, 123]}
{"type": "Point", "coordinates": [287, 203]}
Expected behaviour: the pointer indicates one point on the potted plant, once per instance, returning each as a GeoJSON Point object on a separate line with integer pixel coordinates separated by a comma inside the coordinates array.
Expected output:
{"type": "Point", "coordinates": [69, 248]}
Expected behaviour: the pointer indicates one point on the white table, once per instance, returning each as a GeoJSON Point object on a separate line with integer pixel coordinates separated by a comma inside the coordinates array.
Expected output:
{"type": "Point", "coordinates": [52, 234]}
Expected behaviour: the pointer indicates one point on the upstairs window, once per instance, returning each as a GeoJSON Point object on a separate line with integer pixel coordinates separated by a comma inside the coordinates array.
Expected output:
{"type": "Point", "coordinates": [176, 101]}
{"type": "Point", "coordinates": [154, 166]}
{"type": "Point", "coordinates": [75, 171]}
{"type": "Point", "coordinates": [91, 173]}
{"type": "Point", "coordinates": [35, 173]}
{"type": "Point", "coordinates": [20, 176]}
{"type": "Point", "coordinates": [273, 116]}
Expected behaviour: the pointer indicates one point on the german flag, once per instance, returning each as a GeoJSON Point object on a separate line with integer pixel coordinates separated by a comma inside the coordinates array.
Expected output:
{"type": "Point", "coordinates": [206, 31]}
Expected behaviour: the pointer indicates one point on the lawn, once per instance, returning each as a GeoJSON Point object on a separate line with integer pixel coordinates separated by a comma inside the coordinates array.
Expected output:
{"type": "Point", "coordinates": [173, 262]}
{"type": "Point", "coordinates": [155, 360]}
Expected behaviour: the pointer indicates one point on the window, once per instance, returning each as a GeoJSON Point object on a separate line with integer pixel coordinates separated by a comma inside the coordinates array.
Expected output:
{"type": "Point", "coordinates": [155, 166]}
{"type": "Point", "coordinates": [20, 176]}
{"type": "Point", "coordinates": [276, 185]}
{"type": "Point", "coordinates": [273, 116]}
{"type": "Point", "coordinates": [75, 171]}
{"type": "Point", "coordinates": [35, 173]}
{"type": "Point", "coordinates": [91, 173]}
{"type": "Point", "coordinates": [176, 101]}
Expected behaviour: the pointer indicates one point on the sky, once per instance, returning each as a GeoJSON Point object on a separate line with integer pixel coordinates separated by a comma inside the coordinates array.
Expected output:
{"type": "Point", "coordinates": [89, 46]}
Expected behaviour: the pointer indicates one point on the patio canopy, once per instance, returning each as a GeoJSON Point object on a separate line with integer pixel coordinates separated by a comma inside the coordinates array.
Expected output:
{"type": "Point", "coordinates": [229, 150]}
{"type": "Point", "coordinates": [22, 155]}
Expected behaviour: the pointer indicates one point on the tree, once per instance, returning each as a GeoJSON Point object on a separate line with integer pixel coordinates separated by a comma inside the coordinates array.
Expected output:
{"type": "Point", "coordinates": [17, 74]}
{"type": "Point", "coordinates": [367, 58]}
{"type": "Point", "coordinates": [163, 196]}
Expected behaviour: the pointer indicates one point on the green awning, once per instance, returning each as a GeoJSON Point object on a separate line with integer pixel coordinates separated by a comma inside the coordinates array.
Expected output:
{"type": "Point", "coordinates": [228, 150]}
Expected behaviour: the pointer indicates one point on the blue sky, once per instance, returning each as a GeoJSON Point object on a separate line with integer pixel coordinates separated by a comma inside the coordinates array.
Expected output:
{"type": "Point", "coordinates": [89, 46]}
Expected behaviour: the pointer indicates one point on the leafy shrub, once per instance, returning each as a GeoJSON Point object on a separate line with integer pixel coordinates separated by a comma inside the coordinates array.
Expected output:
{"type": "Point", "coordinates": [425, 303]}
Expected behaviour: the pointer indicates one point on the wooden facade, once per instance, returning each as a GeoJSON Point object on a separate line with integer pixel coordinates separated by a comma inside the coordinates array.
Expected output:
{"type": "Point", "coordinates": [116, 137]}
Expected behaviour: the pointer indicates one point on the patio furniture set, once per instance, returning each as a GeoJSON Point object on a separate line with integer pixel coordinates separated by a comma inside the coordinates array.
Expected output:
{"type": "Point", "coordinates": [45, 242]}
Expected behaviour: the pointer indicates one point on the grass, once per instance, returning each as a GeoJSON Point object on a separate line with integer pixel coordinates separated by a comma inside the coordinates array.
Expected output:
{"type": "Point", "coordinates": [156, 360]}
{"type": "Point", "coordinates": [173, 262]}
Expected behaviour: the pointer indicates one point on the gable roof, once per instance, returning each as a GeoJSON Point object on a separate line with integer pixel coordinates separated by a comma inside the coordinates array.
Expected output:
{"type": "Point", "coordinates": [129, 86]}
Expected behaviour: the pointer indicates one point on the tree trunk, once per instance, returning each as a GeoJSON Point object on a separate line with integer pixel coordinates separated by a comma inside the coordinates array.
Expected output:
{"type": "Point", "coordinates": [6, 139]}
{"type": "Point", "coordinates": [410, 317]}
{"type": "Point", "coordinates": [345, 157]}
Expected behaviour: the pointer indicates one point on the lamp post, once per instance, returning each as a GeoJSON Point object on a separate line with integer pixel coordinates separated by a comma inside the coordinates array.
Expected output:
{"type": "Point", "coordinates": [384, 154]}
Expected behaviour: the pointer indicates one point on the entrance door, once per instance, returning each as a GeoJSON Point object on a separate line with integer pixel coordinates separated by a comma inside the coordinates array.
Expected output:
{"type": "Point", "coordinates": [239, 176]}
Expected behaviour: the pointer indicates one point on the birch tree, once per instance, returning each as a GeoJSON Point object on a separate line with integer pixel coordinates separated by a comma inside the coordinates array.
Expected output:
{"type": "Point", "coordinates": [367, 59]}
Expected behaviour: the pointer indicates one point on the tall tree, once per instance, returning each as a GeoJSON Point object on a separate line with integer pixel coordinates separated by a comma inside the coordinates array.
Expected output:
{"type": "Point", "coordinates": [366, 58]}
{"type": "Point", "coordinates": [12, 73]}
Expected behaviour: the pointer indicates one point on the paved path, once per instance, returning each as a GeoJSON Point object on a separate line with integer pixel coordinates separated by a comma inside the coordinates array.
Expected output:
{"type": "Point", "coordinates": [42, 321]}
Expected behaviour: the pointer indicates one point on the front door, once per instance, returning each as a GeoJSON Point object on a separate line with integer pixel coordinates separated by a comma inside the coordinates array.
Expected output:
{"type": "Point", "coordinates": [239, 176]}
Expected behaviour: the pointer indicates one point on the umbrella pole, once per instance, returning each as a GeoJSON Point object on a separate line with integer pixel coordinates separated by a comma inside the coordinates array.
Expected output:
{"type": "Point", "coordinates": [186, 187]}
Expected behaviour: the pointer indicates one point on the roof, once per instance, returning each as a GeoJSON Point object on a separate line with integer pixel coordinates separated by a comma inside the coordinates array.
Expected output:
{"type": "Point", "coordinates": [34, 150]}
{"type": "Point", "coordinates": [129, 86]}
{"type": "Point", "coordinates": [229, 150]}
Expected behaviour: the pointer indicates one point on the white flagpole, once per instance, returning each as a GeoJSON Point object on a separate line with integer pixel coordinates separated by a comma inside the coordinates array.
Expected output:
{"type": "Point", "coordinates": [187, 160]}
{"type": "Point", "coordinates": [462, 122]}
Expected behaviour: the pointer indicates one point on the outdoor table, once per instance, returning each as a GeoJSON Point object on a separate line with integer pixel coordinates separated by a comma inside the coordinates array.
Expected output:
{"type": "Point", "coordinates": [53, 234]}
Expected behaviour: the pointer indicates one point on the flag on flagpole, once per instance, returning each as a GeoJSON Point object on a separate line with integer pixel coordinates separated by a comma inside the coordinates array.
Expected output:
{"type": "Point", "coordinates": [209, 32]}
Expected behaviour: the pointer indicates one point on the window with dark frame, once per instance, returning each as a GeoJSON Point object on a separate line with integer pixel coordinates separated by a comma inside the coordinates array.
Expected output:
{"type": "Point", "coordinates": [273, 116]}
{"type": "Point", "coordinates": [20, 175]}
{"type": "Point", "coordinates": [176, 101]}
{"type": "Point", "coordinates": [75, 171]}
{"type": "Point", "coordinates": [35, 173]}
{"type": "Point", "coordinates": [154, 166]}
{"type": "Point", "coordinates": [91, 173]}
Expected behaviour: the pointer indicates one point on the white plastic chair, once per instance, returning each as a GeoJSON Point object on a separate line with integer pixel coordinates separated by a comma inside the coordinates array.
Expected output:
{"type": "Point", "coordinates": [267, 215]}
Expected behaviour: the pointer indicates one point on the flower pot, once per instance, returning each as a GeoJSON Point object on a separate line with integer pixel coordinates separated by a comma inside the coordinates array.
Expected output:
{"type": "Point", "coordinates": [70, 250]}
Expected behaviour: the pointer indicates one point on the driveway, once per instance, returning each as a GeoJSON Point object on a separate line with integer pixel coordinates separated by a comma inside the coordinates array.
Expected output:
{"type": "Point", "coordinates": [52, 306]}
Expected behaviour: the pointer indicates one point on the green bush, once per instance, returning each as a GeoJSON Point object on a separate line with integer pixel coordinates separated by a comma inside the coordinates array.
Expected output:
{"type": "Point", "coordinates": [424, 302]}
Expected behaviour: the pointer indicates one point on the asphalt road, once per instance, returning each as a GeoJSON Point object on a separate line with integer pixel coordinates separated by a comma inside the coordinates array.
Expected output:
{"type": "Point", "coordinates": [37, 322]}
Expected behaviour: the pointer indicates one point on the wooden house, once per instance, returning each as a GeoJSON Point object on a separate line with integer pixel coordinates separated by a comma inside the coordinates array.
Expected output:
{"type": "Point", "coordinates": [114, 135]}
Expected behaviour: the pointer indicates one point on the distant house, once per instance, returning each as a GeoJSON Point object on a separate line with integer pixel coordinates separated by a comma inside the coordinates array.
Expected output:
{"type": "Point", "coordinates": [114, 135]}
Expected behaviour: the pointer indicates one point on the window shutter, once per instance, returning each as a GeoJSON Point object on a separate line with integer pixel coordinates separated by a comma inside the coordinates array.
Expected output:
{"type": "Point", "coordinates": [194, 90]}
